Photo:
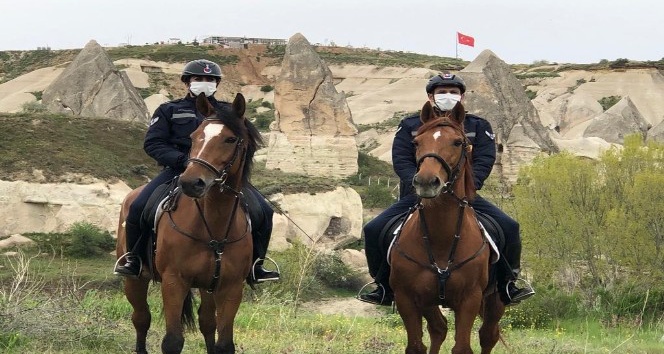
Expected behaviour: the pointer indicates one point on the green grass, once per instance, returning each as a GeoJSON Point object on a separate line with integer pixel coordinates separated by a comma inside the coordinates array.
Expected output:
{"type": "Point", "coordinates": [16, 63]}
{"type": "Point", "coordinates": [58, 145]}
{"type": "Point", "coordinates": [65, 305]}
{"type": "Point", "coordinates": [176, 53]}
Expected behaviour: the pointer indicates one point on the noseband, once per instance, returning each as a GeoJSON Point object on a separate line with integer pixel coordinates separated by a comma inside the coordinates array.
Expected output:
{"type": "Point", "coordinates": [222, 174]}
{"type": "Point", "coordinates": [452, 172]}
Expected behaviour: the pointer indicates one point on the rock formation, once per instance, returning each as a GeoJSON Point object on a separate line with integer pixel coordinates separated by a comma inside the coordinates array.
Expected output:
{"type": "Point", "coordinates": [656, 132]}
{"type": "Point", "coordinates": [621, 119]}
{"type": "Point", "coordinates": [330, 220]}
{"type": "Point", "coordinates": [91, 86]}
{"type": "Point", "coordinates": [313, 133]}
{"type": "Point", "coordinates": [50, 207]}
{"type": "Point", "coordinates": [495, 94]}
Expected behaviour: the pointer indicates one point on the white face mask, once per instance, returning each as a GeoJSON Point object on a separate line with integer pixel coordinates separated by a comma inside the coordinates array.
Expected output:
{"type": "Point", "coordinates": [198, 87]}
{"type": "Point", "coordinates": [446, 101]}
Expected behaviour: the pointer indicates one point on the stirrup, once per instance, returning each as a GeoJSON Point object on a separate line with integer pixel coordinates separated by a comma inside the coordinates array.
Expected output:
{"type": "Point", "coordinates": [140, 267]}
{"type": "Point", "coordinates": [525, 295]}
{"type": "Point", "coordinates": [253, 269]}
{"type": "Point", "coordinates": [362, 292]}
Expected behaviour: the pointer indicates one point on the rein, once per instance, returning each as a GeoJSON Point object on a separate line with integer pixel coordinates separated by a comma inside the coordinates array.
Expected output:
{"type": "Point", "coordinates": [217, 246]}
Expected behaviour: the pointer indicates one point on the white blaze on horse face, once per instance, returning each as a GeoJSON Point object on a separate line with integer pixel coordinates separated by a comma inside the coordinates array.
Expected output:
{"type": "Point", "coordinates": [210, 131]}
{"type": "Point", "coordinates": [437, 135]}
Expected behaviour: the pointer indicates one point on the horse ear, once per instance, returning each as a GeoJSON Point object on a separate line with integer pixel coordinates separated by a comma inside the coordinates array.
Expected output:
{"type": "Point", "coordinates": [459, 113]}
{"type": "Point", "coordinates": [426, 114]}
{"type": "Point", "coordinates": [203, 106]}
{"type": "Point", "coordinates": [239, 105]}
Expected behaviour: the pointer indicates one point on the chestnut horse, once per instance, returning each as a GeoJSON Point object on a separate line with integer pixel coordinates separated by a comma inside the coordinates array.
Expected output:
{"type": "Point", "coordinates": [441, 256]}
{"type": "Point", "coordinates": [205, 240]}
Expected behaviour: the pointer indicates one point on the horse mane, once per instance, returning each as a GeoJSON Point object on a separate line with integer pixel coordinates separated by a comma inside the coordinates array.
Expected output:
{"type": "Point", "coordinates": [245, 130]}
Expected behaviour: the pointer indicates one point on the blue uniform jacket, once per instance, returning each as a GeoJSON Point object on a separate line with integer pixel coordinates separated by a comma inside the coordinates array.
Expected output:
{"type": "Point", "coordinates": [167, 139]}
{"type": "Point", "coordinates": [479, 132]}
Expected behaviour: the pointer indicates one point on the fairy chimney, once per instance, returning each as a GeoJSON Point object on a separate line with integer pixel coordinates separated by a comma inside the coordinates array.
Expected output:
{"type": "Point", "coordinates": [620, 120]}
{"type": "Point", "coordinates": [495, 94]}
{"type": "Point", "coordinates": [313, 133]}
{"type": "Point", "coordinates": [91, 86]}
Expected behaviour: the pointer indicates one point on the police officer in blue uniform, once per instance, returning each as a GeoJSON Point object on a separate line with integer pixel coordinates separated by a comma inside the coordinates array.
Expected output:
{"type": "Point", "coordinates": [444, 91]}
{"type": "Point", "coordinates": [167, 141]}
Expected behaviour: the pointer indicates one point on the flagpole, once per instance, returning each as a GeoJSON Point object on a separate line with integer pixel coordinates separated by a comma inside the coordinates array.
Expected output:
{"type": "Point", "coordinates": [456, 48]}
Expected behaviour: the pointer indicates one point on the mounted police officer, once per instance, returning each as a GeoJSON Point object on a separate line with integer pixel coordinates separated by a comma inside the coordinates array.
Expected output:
{"type": "Point", "coordinates": [167, 141]}
{"type": "Point", "coordinates": [443, 91]}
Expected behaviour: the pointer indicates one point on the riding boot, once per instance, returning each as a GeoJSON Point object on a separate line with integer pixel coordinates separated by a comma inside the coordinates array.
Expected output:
{"type": "Point", "coordinates": [132, 265]}
{"type": "Point", "coordinates": [512, 292]}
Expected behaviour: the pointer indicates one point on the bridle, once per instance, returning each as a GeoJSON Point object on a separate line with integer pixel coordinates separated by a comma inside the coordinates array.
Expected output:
{"type": "Point", "coordinates": [452, 172]}
{"type": "Point", "coordinates": [222, 174]}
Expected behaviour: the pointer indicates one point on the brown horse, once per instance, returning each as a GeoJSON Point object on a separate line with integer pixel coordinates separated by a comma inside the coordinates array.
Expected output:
{"type": "Point", "coordinates": [205, 241]}
{"type": "Point", "coordinates": [441, 257]}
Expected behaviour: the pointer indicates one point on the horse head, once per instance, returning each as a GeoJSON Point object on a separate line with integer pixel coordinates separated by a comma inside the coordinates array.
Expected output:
{"type": "Point", "coordinates": [442, 153]}
{"type": "Point", "coordinates": [222, 148]}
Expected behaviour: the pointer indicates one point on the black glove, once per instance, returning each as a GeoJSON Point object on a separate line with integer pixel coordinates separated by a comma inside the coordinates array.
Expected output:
{"type": "Point", "coordinates": [183, 161]}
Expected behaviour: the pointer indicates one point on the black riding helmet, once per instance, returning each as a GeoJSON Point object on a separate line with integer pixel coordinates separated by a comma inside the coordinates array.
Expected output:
{"type": "Point", "coordinates": [201, 67]}
{"type": "Point", "coordinates": [445, 79]}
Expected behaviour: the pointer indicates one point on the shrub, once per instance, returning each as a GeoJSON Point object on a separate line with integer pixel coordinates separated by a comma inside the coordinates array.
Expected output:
{"type": "Point", "coordinates": [334, 273]}
{"type": "Point", "coordinates": [531, 94]}
{"type": "Point", "coordinates": [377, 196]}
{"type": "Point", "coordinates": [608, 102]}
{"type": "Point", "coordinates": [267, 88]}
{"type": "Point", "coordinates": [618, 63]}
{"type": "Point", "coordinates": [263, 121]}
{"type": "Point", "coordinates": [33, 107]}
{"type": "Point", "coordinates": [88, 241]}
{"type": "Point", "coordinates": [37, 94]}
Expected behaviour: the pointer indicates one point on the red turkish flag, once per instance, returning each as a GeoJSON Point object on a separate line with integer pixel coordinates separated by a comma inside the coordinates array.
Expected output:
{"type": "Point", "coordinates": [465, 40]}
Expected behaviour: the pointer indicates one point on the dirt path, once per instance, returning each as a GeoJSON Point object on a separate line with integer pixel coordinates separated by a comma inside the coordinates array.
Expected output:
{"type": "Point", "coordinates": [344, 306]}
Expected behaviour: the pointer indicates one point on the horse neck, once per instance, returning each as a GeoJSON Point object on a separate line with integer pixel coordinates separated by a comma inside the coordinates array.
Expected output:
{"type": "Point", "coordinates": [219, 206]}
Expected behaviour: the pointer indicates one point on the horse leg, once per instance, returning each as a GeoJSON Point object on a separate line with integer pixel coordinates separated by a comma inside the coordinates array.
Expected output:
{"type": "Point", "coordinates": [173, 293]}
{"type": "Point", "coordinates": [491, 314]}
{"type": "Point", "coordinates": [228, 302]}
{"type": "Point", "coordinates": [412, 320]}
{"type": "Point", "coordinates": [464, 315]}
{"type": "Point", "coordinates": [437, 326]}
{"type": "Point", "coordinates": [206, 321]}
{"type": "Point", "coordinates": [136, 291]}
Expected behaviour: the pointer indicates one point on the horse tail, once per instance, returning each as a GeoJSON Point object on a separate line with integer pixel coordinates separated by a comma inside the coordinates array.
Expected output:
{"type": "Point", "coordinates": [187, 316]}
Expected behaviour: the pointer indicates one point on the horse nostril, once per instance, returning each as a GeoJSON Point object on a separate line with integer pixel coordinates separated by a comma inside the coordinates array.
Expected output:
{"type": "Point", "coordinates": [199, 184]}
{"type": "Point", "coordinates": [436, 182]}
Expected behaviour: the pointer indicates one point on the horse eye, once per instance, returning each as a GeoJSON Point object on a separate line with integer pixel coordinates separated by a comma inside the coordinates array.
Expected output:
{"type": "Point", "coordinates": [458, 143]}
{"type": "Point", "coordinates": [231, 140]}
{"type": "Point", "coordinates": [415, 143]}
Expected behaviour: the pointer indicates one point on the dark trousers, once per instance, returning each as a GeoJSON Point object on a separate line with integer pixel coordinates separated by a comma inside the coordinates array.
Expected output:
{"type": "Point", "coordinates": [136, 208]}
{"type": "Point", "coordinates": [510, 226]}
{"type": "Point", "coordinates": [261, 230]}
{"type": "Point", "coordinates": [376, 257]}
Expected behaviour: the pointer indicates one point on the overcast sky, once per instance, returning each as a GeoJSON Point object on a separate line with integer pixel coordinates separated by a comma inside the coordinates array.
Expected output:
{"type": "Point", "coordinates": [518, 31]}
